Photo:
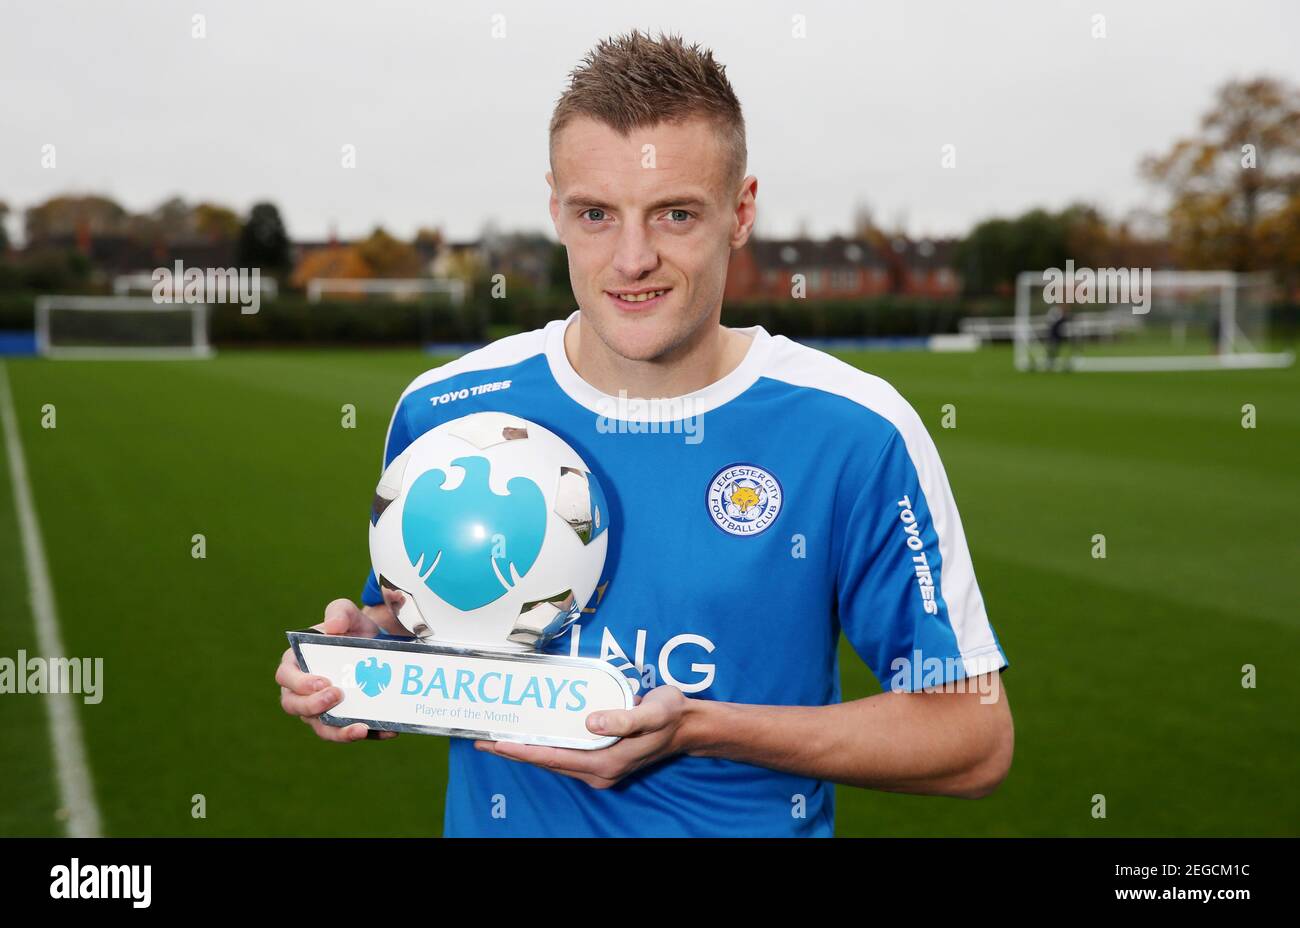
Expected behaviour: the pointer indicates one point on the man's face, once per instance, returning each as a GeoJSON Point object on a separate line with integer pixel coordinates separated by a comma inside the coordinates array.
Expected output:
{"type": "Point", "coordinates": [642, 219]}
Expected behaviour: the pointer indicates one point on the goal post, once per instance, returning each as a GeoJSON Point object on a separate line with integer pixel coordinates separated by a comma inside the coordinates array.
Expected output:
{"type": "Point", "coordinates": [120, 327]}
{"type": "Point", "coordinates": [420, 295]}
{"type": "Point", "coordinates": [397, 289]}
{"type": "Point", "coordinates": [144, 282]}
{"type": "Point", "coordinates": [1187, 320]}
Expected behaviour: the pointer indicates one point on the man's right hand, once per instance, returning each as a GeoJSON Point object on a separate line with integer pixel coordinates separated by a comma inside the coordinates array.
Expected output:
{"type": "Point", "coordinates": [307, 695]}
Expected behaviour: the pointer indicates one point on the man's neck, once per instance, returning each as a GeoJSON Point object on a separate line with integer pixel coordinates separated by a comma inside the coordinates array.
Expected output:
{"type": "Point", "coordinates": [691, 366]}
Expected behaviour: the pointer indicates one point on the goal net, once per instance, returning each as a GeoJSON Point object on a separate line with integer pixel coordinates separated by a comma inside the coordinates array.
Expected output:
{"type": "Point", "coordinates": [120, 327]}
{"type": "Point", "coordinates": [431, 304]}
{"type": "Point", "coordinates": [391, 289]}
{"type": "Point", "coordinates": [1184, 320]}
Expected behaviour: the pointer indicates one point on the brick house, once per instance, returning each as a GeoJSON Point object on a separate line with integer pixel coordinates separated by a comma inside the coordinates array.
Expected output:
{"type": "Point", "coordinates": [837, 268]}
{"type": "Point", "coordinates": [842, 268]}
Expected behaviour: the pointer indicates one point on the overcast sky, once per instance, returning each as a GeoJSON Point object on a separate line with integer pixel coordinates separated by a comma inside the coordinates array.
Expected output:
{"type": "Point", "coordinates": [450, 123]}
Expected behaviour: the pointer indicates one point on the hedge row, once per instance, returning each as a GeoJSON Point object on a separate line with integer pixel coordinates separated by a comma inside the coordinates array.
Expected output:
{"type": "Point", "coordinates": [873, 318]}
{"type": "Point", "coordinates": [292, 320]}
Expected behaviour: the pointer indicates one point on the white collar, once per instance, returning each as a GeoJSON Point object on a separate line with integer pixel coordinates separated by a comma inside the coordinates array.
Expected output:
{"type": "Point", "coordinates": [660, 410]}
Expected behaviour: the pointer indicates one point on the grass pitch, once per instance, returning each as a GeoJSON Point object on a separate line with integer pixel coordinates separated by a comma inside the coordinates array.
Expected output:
{"type": "Point", "coordinates": [1126, 677]}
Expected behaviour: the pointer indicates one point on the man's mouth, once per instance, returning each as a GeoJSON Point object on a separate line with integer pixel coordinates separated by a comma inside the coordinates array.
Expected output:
{"type": "Point", "coordinates": [640, 299]}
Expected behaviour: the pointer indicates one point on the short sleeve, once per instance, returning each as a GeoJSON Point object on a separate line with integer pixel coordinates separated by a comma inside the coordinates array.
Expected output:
{"type": "Point", "coordinates": [907, 596]}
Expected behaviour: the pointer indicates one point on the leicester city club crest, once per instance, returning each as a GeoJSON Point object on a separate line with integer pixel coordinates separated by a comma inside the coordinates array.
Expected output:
{"type": "Point", "coordinates": [743, 499]}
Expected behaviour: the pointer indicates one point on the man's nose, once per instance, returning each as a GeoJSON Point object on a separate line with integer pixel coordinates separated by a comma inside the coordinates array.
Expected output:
{"type": "Point", "coordinates": [634, 254]}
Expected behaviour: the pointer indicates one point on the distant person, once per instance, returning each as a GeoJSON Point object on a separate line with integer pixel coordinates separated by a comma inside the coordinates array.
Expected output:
{"type": "Point", "coordinates": [1215, 333]}
{"type": "Point", "coordinates": [1058, 323]}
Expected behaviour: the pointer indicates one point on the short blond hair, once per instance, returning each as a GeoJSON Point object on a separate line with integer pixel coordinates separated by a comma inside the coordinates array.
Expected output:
{"type": "Point", "coordinates": [634, 82]}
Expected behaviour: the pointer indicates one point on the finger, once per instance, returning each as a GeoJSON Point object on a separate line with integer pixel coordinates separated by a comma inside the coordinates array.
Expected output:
{"type": "Point", "coordinates": [349, 733]}
{"type": "Point", "coordinates": [561, 760]}
{"type": "Point", "coordinates": [312, 705]}
{"type": "Point", "coordinates": [355, 732]}
{"type": "Point", "coordinates": [626, 723]}
{"type": "Point", "coordinates": [304, 684]}
{"type": "Point", "coordinates": [342, 617]}
{"type": "Point", "coordinates": [320, 729]}
{"type": "Point", "coordinates": [592, 779]}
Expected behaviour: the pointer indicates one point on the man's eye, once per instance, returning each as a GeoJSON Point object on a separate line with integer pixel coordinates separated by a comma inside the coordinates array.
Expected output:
{"type": "Point", "coordinates": [595, 209]}
{"type": "Point", "coordinates": [679, 215]}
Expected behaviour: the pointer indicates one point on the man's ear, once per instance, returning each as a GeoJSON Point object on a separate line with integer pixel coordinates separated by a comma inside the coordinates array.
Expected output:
{"type": "Point", "coordinates": [554, 206]}
{"type": "Point", "coordinates": [746, 212]}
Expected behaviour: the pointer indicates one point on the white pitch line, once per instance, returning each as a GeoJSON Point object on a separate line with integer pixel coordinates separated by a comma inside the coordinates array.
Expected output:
{"type": "Point", "coordinates": [75, 790]}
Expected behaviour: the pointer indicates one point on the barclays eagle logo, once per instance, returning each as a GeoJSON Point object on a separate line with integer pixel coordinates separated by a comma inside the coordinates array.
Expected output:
{"type": "Point", "coordinates": [465, 542]}
{"type": "Point", "coordinates": [372, 676]}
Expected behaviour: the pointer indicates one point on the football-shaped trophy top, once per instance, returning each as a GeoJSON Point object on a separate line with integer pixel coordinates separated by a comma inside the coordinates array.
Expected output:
{"type": "Point", "coordinates": [488, 531]}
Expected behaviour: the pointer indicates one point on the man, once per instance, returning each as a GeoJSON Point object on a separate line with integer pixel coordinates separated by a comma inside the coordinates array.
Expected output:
{"type": "Point", "coordinates": [780, 497]}
{"type": "Point", "coordinates": [1058, 334]}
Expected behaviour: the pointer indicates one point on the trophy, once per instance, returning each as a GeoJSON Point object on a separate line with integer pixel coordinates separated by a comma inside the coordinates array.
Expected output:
{"type": "Point", "coordinates": [487, 536]}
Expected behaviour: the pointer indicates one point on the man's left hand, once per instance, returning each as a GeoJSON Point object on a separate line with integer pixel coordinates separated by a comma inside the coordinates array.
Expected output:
{"type": "Point", "coordinates": [650, 731]}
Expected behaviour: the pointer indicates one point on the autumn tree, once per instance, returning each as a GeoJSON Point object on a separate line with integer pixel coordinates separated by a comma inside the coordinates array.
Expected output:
{"type": "Point", "coordinates": [1235, 185]}
{"type": "Point", "coordinates": [170, 221]}
{"type": "Point", "coordinates": [216, 223]}
{"type": "Point", "coordinates": [334, 261]}
{"type": "Point", "coordinates": [65, 216]}
{"type": "Point", "coordinates": [428, 238]}
{"type": "Point", "coordinates": [387, 256]}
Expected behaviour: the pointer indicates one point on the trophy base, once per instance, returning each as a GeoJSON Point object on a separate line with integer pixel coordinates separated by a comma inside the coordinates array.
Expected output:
{"type": "Point", "coordinates": [462, 692]}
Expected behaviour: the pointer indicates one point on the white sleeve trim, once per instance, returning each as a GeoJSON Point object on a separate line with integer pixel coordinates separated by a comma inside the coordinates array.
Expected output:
{"type": "Point", "coordinates": [802, 366]}
{"type": "Point", "coordinates": [984, 661]}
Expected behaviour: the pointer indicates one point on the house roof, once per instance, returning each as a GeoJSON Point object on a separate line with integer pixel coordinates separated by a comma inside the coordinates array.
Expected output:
{"type": "Point", "coordinates": [836, 253]}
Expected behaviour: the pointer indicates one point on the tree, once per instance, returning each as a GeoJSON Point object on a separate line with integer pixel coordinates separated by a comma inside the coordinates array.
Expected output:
{"type": "Point", "coordinates": [263, 242]}
{"type": "Point", "coordinates": [389, 257]}
{"type": "Point", "coordinates": [431, 239]}
{"type": "Point", "coordinates": [334, 261]}
{"type": "Point", "coordinates": [997, 250]}
{"type": "Point", "coordinates": [864, 221]}
{"type": "Point", "coordinates": [66, 216]}
{"type": "Point", "coordinates": [1235, 185]}
{"type": "Point", "coordinates": [558, 269]}
{"type": "Point", "coordinates": [171, 221]}
{"type": "Point", "coordinates": [216, 223]}
{"type": "Point", "coordinates": [4, 233]}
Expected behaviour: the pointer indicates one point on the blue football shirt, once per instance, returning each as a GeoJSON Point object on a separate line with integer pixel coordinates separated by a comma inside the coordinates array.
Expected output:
{"type": "Point", "coordinates": [753, 521]}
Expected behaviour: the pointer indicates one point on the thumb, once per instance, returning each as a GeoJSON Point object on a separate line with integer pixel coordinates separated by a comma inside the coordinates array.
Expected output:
{"type": "Point", "coordinates": [336, 624]}
{"type": "Point", "coordinates": [342, 617]}
{"type": "Point", "coordinates": [623, 723]}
